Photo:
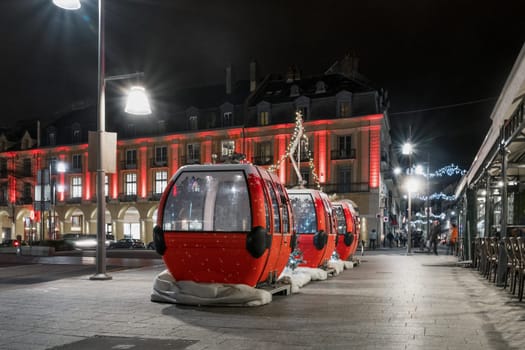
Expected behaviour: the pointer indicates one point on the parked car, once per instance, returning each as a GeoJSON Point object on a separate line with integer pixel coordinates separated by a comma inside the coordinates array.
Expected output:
{"type": "Point", "coordinates": [83, 241]}
{"type": "Point", "coordinates": [127, 243]}
{"type": "Point", "coordinates": [12, 243]}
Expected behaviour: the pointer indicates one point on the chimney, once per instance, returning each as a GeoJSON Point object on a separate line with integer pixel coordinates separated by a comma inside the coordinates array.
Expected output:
{"type": "Point", "coordinates": [253, 75]}
{"type": "Point", "coordinates": [229, 80]}
{"type": "Point", "coordinates": [289, 75]}
{"type": "Point", "coordinates": [296, 73]}
{"type": "Point", "coordinates": [38, 133]}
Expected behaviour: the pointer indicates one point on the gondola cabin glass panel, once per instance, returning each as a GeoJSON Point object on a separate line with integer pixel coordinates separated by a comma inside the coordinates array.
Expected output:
{"type": "Point", "coordinates": [217, 201]}
{"type": "Point", "coordinates": [222, 224]}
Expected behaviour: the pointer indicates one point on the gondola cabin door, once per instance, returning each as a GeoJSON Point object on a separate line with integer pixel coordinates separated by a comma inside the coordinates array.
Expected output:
{"type": "Point", "coordinates": [314, 224]}
{"type": "Point", "coordinates": [223, 224]}
{"type": "Point", "coordinates": [346, 230]}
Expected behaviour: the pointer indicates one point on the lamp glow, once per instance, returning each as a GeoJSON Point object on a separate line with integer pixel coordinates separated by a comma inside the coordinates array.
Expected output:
{"type": "Point", "coordinates": [407, 148]}
{"type": "Point", "coordinates": [67, 4]}
{"type": "Point", "coordinates": [137, 102]}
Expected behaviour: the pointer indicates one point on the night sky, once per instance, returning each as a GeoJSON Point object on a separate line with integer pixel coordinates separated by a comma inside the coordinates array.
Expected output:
{"type": "Point", "coordinates": [428, 54]}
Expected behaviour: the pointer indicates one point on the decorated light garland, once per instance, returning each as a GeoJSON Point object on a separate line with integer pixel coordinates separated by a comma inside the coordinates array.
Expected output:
{"type": "Point", "coordinates": [290, 149]}
{"type": "Point", "coordinates": [440, 195]}
{"type": "Point", "coordinates": [448, 170]}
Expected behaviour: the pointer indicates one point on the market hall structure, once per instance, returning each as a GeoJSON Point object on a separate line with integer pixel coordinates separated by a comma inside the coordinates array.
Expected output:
{"type": "Point", "coordinates": [491, 196]}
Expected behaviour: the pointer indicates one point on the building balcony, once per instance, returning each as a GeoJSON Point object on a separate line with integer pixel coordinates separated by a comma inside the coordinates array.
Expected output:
{"type": "Point", "coordinates": [155, 197]}
{"type": "Point", "coordinates": [189, 160]}
{"type": "Point", "coordinates": [74, 200]}
{"type": "Point", "coordinates": [3, 174]}
{"type": "Point", "coordinates": [156, 163]}
{"type": "Point", "coordinates": [4, 203]}
{"type": "Point", "coordinates": [262, 160]}
{"type": "Point", "coordinates": [125, 165]}
{"type": "Point", "coordinates": [352, 187]}
{"type": "Point", "coordinates": [123, 197]}
{"type": "Point", "coordinates": [24, 200]}
{"type": "Point", "coordinates": [343, 153]}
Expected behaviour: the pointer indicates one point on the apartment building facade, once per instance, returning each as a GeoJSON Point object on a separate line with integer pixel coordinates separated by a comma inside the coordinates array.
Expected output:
{"type": "Point", "coordinates": [345, 122]}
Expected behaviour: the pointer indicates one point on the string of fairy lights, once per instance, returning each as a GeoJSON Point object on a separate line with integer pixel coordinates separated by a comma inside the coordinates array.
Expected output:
{"type": "Point", "coordinates": [298, 137]}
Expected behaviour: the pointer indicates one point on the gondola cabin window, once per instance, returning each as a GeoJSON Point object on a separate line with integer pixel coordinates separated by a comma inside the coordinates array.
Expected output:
{"type": "Point", "coordinates": [304, 212]}
{"type": "Point", "coordinates": [208, 201]}
{"type": "Point", "coordinates": [341, 220]}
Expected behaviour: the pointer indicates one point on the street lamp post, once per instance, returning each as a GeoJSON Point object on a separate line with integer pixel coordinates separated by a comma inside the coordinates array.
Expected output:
{"type": "Point", "coordinates": [411, 185]}
{"type": "Point", "coordinates": [102, 137]}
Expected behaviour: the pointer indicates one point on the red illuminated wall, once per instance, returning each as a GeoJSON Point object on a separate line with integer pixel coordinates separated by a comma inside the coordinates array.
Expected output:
{"type": "Point", "coordinates": [143, 173]}
{"type": "Point", "coordinates": [375, 155]}
{"type": "Point", "coordinates": [321, 156]}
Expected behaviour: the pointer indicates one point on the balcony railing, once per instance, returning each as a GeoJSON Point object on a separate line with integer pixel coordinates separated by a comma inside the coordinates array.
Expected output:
{"type": "Point", "coordinates": [352, 187]}
{"type": "Point", "coordinates": [189, 160]}
{"type": "Point", "coordinates": [127, 197]}
{"type": "Point", "coordinates": [156, 163]}
{"type": "Point", "coordinates": [343, 153]}
{"type": "Point", "coordinates": [262, 160]}
{"type": "Point", "coordinates": [154, 197]}
{"type": "Point", "coordinates": [24, 200]}
{"type": "Point", "coordinates": [127, 165]}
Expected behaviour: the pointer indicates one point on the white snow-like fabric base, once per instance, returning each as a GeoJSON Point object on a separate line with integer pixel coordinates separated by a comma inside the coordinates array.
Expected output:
{"type": "Point", "coordinates": [167, 290]}
{"type": "Point", "coordinates": [337, 265]}
{"type": "Point", "coordinates": [349, 265]}
{"type": "Point", "coordinates": [301, 276]}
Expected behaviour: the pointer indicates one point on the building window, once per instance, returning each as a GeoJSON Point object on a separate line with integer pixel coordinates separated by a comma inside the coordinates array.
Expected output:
{"type": "Point", "coordinates": [161, 155]}
{"type": "Point", "coordinates": [227, 148]}
{"type": "Point", "coordinates": [264, 118]}
{"type": "Point", "coordinates": [27, 190]}
{"type": "Point", "coordinates": [305, 174]}
{"type": "Point", "coordinates": [76, 187]}
{"type": "Point", "coordinates": [76, 222]}
{"type": "Point", "coordinates": [3, 194]}
{"type": "Point", "coordinates": [193, 153]}
{"type": "Point", "coordinates": [76, 163]}
{"type": "Point", "coordinates": [161, 181]}
{"type": "Point", "coordinates": [344, 109]}
{"type": "Point", "coordinates": [106, 186]}
{"type": "Point", "coordinates": [27, 169]}
{"type": "Point", "coordinates": [131, 158]}
{"type": "Point", "coordinates": [344, 179]}
{"type": "Point", "coordinates": [193, 122]}
{"type": "Point", "coordinates": [304, 112]}
{"type": "Point", "coordinates": [263, 154]}
{"type": "Point", "coordinates": [3, 168]}
{"type": "Point", "coordinates": [131, 184]}
{"type": "Point", "coordinates": [227, 119]}
{"type": "Point", "coordinates": [345, 144]}
{"type": "Point", "coordinates": [320, 87]}
{"type": "Point", "coordinates": [52, 137]}
{"type": "Point", "coordinates": [294, 91]}
{"type": "Point", "coordinates": [76, 135]}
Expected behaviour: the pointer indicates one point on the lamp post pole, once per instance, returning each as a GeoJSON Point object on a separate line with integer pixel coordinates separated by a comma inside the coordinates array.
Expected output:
{"type": "Point", "coordinates": [409, 231]}
{"type": "Point", "coordinates": [137, 104]}
{"type": "Point", "coordinates": [100, 273]}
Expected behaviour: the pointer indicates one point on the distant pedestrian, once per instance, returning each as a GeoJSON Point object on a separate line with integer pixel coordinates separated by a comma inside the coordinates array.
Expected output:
{"type": "Point", "coordinates": [453, 239]}
{"type": "Point", "coordinates": [434, 234]}
{"type": "Point", "coordinates": [390, 238]}
{"type": "Point", "coordinates": [373, 239]}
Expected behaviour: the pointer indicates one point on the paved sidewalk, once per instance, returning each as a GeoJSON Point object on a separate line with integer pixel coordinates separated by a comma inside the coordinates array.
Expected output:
{"type": "Point", "coordinates": [390, 301]}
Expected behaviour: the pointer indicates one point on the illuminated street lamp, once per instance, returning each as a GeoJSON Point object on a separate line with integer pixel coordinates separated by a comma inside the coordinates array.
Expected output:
{"type": "Point", "coordinates": [407, 149]}
{"type": "Point", "coordinates": [105, 148]}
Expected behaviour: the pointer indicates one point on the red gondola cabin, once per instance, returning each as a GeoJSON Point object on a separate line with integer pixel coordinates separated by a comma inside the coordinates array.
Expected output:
{"type": "Point", "coordinates": [314, 224]}
{"type": "Point", "coordinates": [228, 223]}
{"type": "Point", "coordinates": [347, 235]}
